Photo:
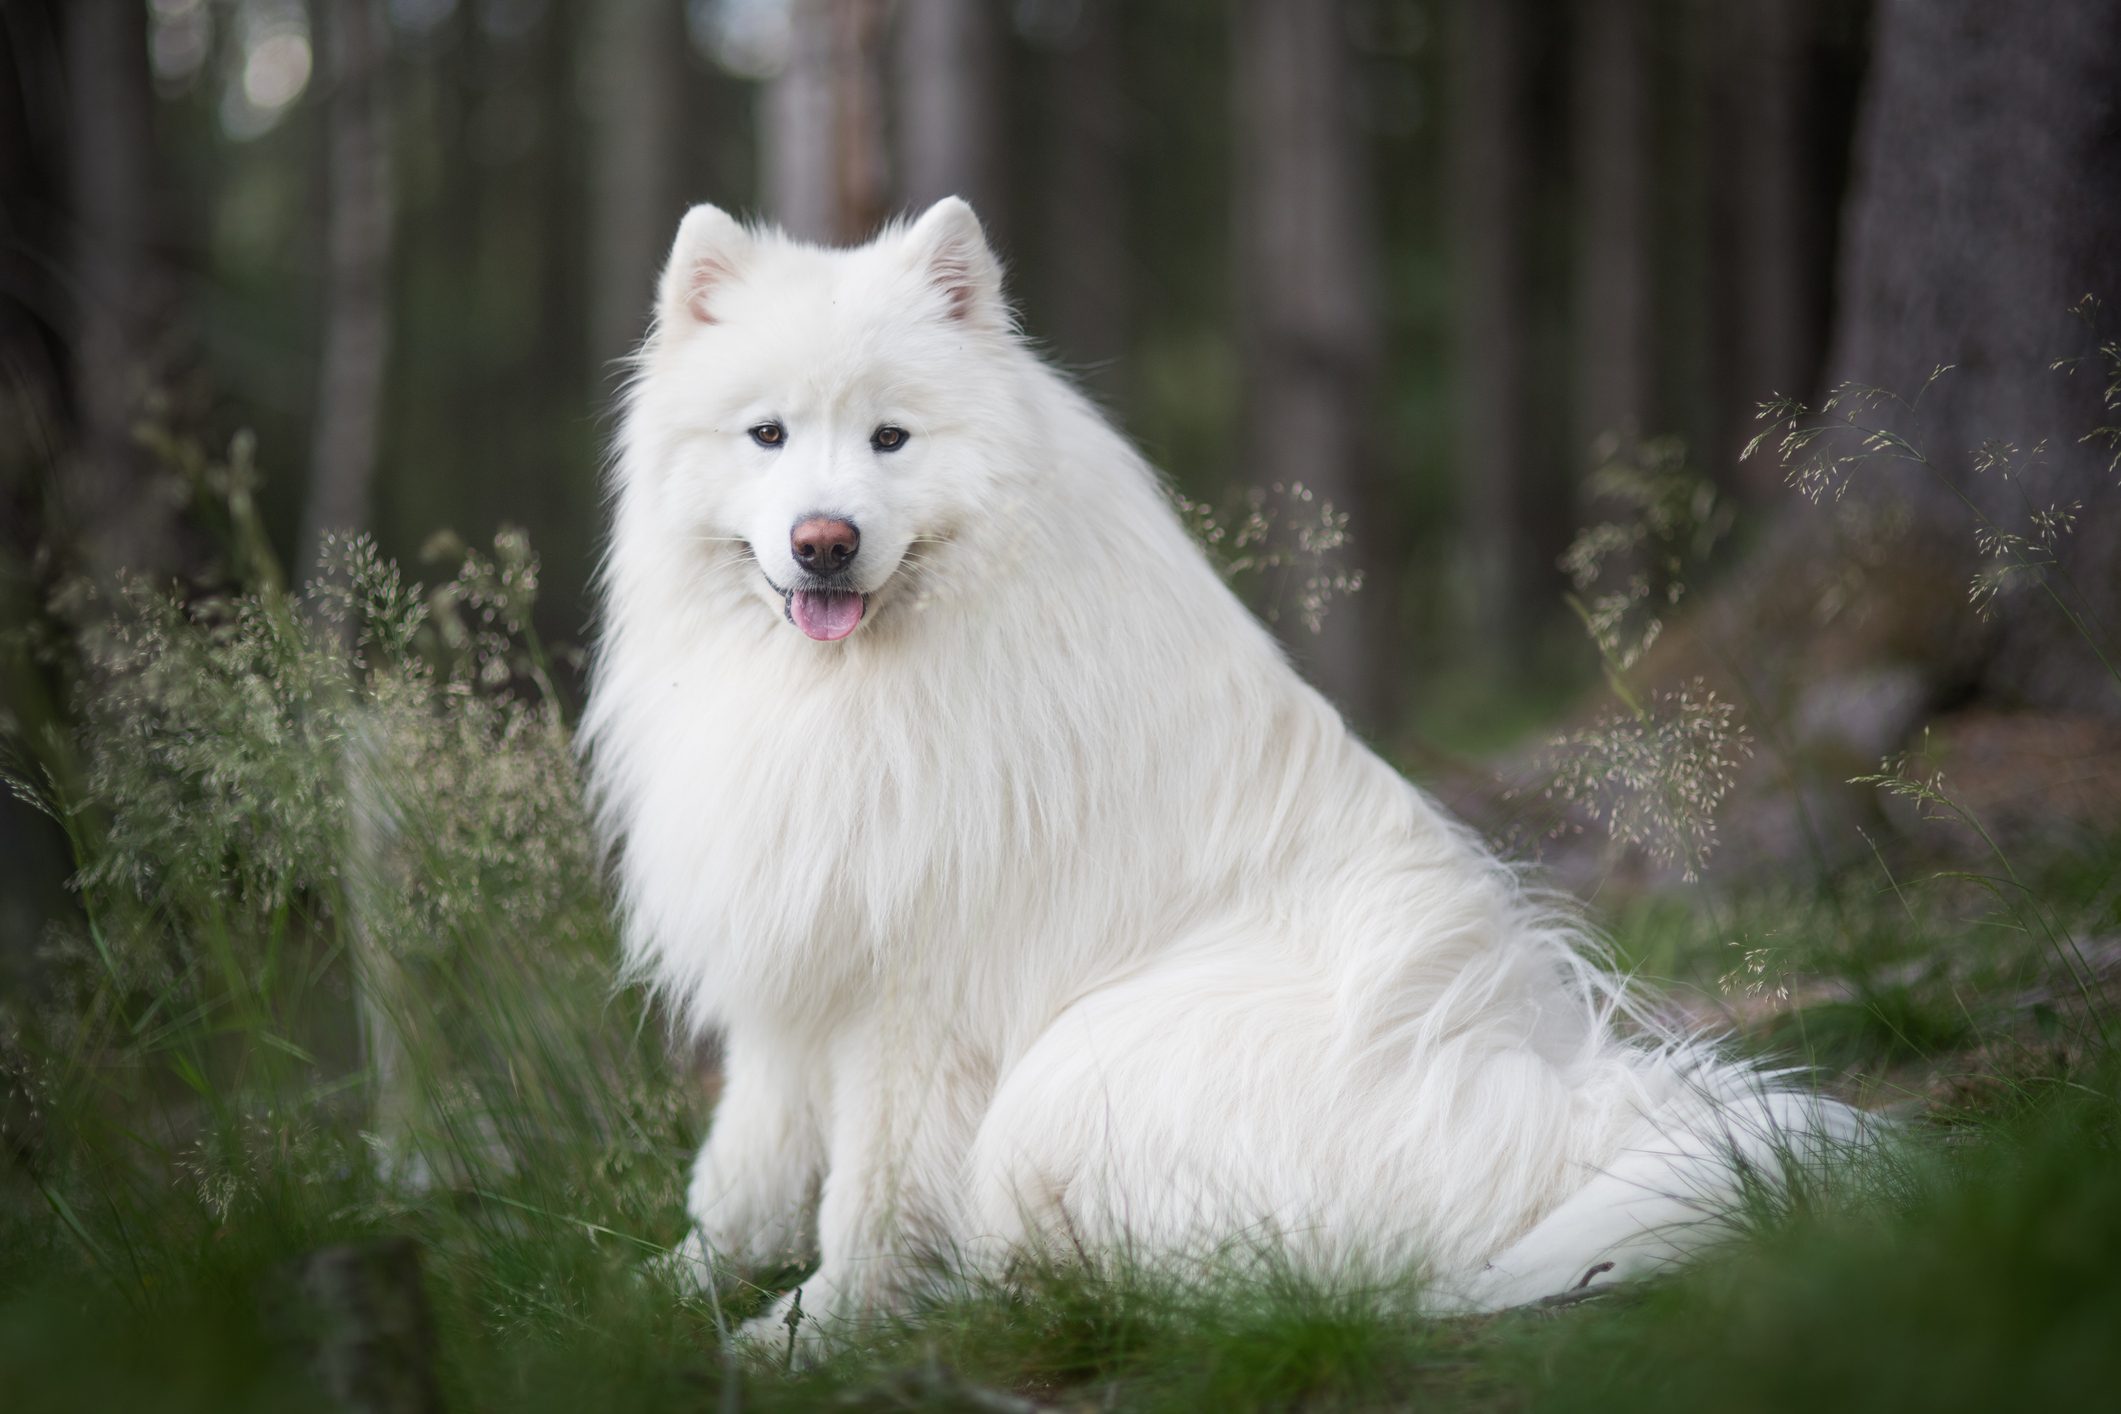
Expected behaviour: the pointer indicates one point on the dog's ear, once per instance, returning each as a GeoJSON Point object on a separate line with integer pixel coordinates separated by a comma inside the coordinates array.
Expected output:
{"type": "Point", "coordinates": [951, 252]}
{"type": "Point", "coordinates": [707, 254]}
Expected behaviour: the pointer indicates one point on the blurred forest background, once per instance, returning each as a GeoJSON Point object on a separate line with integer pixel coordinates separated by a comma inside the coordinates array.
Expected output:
{"type": "Point", "coordinates": [1435, 261]}
{"type": "Point", "coordinates": [306, 962]}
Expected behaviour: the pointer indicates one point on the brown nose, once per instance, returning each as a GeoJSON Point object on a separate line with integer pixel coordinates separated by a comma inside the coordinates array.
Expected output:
{"type": "Point", "coordinates": [824, 544]}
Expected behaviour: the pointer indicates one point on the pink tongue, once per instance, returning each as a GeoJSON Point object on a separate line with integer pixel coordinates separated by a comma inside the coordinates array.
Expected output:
{"type": "Point", "coordinates": [825, 614]}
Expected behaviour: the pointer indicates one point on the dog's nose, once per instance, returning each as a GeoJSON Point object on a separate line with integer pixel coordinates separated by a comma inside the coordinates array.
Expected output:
{"type": "Point", "coordinates": [824, 544]}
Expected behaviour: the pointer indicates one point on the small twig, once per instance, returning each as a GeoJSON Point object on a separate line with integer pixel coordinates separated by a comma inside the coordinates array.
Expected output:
{"type": "Point", "coordinates": [1578, 1296]}
{"type": "Point", "coordinates": [1583, 1290]}
{"type": "Point", "coordinates": [793, 1319]}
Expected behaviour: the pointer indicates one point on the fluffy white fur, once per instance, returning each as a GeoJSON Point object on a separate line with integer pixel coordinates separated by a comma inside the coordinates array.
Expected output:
{"type": "Point", "coordinates": [1051, 906]}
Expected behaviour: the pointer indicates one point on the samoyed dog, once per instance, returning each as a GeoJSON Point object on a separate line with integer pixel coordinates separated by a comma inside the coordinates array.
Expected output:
{"type": "Point", "coordinates": [1037, 901]}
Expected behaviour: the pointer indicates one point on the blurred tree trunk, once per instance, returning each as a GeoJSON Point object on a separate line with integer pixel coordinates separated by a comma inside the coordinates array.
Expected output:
{"type": "Point", "coordinates": [1613, 157]}
{"type": "Point", "coordinates": [1308, 306]}
{"type": "Point", "coordinates": [1490, 142]}
{"type": "Point", "coordinates": [357, 285]}
{"type": "Point", "coordinates": [364, 1327]}
{"type": "Point", "coordinates": [36, 411]}
{"type": "Point", "coordinates": [638, 87]}
{"type": "Point", "coordinates": [124, 518]}
{"type": "Point", "coordinates": [823, 161]}
{"type": "Point", "coordinates": [1083, 199]}
{"type": "Point", "coordinates": [1774, 279]}
{"type": "Point", "coordinates": [36, 407]}
{"type": "Point", "coordinates": [947, 62]}
{"type": "Point", "coordinates": [561, 186]}
{"type": "Point", "coordinates": [1986, 202]}
{"type": "Point", "coordinates": [356, 315]}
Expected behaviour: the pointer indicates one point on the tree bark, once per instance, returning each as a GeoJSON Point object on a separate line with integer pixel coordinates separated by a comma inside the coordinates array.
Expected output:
{"type": "Point", "coordinates": [947, 60]}
{"type": "Point", "coordinates": [1615, 300]}
{"type": "Point", "coordinates": [1308, 302]}
{"type": "Point", "coordinates": [1775, 276]}
{"type": "Point", "coordinates": [124, 518]}
{"type": "Point", "coordinates": [562, 375]}
{"type": "Point", "coordinates": [35, 432]}
{"type": "Point", "coordinates": [1084, 198]}
{"type": "Point", "coordinates": [362, 1320]}
{"type": "Point", "coordinates": [639, 90]}
{"type": "Point", "coordinates": [1489, 181]}
{"type": "Point", "coordinates": [36, 407]}
{"type": "Point", "coordinates": [357, 289]}
{"type": "Point", "coordinates": [348, 429]}
{"type": "Point", "coordinates": [1986, 201]}
{"type": "Point", "coordinates": [823, 160]}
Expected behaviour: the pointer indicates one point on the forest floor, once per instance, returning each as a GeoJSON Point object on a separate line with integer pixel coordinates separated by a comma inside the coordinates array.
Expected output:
{"type": "Point", "coordinates": [326, 1097]}
{"type": "Point", "coordinates": [150, 1265]}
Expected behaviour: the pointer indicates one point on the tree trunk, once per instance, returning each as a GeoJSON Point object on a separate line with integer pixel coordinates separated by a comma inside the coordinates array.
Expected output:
{"type": "Point", "coordinates": [357, 289]}
{"type": "Point", "coordinates": [1614, 289]}
{"type": "Point", "coordinates": [124, 519]}
{"type": "Point", "coordinates": [1770, 201]}
{"type": "Point", "coordinates": [1986, 201]}
{"type": "Point", "coordinates": [947, 59]}
{"type": "Point", "coordinates": [362, 1321]}
{"type": "Point", "coordinates": [824, 170]}
{"type": "Point", "coordinates": [342, 475]}
{"type": "Point", "coordinates": [559, 187]}
{"type": "Point", "coordinates": [639, 89]}
{"type": "Point", "coordinates": [35, 429]}
{"type": "Point", "coordinates": [1308, 304]}
{"type": "Point", "coordinates": [36, 406]}
{"type": "Point", "coordinates": [1489, 180]}
{"type": "Point", "coordinates": [1083, 200]}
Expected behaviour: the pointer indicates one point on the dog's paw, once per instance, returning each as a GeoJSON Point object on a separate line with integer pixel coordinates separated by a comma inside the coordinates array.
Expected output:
{"type": "Point", "coordinates": [690, 1268]}
{"type": "Point", "coordinates": [701, 1260]}
{"type": "Point", "coordinates": [751, 1234]}
{"type": "Point", "coordinates": [784, 1337]}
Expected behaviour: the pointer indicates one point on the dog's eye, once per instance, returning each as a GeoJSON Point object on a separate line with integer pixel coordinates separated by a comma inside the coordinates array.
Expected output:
{"type": "Point", "coordinates": [888, 438]}
{"type": "Point", "coordinates": [769, 434]}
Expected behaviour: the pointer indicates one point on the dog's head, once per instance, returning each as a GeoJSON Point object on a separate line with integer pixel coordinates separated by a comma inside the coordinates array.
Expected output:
{"type": "Point", "coordinates": [820, 413]}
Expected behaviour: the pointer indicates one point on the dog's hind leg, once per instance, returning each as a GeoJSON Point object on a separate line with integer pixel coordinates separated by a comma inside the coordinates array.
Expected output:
{"type": "Point", "coordinates": [1132, 1125]}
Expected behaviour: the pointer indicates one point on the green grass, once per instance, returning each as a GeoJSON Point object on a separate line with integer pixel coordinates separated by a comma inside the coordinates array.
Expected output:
{"type": "Point", "coordinates": [1987, 1282]}
{"type": "Point", "coordinates": [192, 1106]}
{"type": "Point", "coordinates": [152, 1215]}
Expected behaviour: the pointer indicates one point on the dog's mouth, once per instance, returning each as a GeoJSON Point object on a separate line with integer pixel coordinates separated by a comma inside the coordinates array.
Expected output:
{"type": "Point", "coordinates": [822, 612]}
{"type": "Point", "coordinates": [825, 609]}
{"type": "Point", "coordinates": [827, 615]}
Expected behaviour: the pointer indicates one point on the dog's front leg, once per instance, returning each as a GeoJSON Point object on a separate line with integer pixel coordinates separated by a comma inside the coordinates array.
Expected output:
{"type": "Point", "coordinates": [902, 1120]}
{"type": "Point", "coordinates": [754, 1186]}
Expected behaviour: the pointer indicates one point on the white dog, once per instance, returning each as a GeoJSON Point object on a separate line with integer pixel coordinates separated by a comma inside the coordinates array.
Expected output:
{"type": "Point", "coordinates": [1035, 897]}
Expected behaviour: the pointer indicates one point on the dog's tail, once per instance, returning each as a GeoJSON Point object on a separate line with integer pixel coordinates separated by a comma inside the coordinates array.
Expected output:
{"type": "Point", "coordinates": [1731, 1151]}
